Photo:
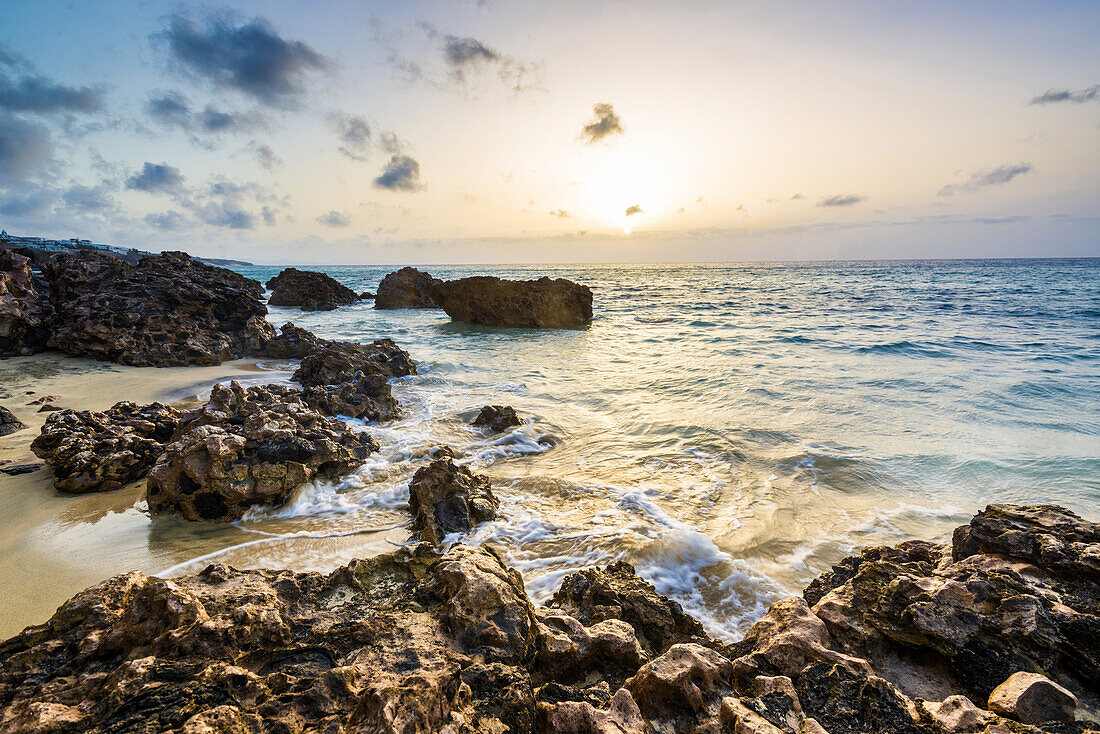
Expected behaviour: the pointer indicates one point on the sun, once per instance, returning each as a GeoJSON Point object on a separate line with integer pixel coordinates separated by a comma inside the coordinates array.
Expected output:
{"type": "Point", "coordinates": [627, 230]}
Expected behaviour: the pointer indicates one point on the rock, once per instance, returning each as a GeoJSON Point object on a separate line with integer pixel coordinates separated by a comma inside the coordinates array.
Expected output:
{"type": "Point", "coordinates": [43, 400]}
{"type": "Point", "coordinates": [49, 409]}
{"type": "Point", "coordinates": [292, 342]}
{"type": "Point", "coordinates": [331, 363]}
{"type": "Point", "coordinates": [406, 288]}
{"type": "Point", "coordinates": [312, 291]}
{"type": "Point", "coordinates": [168, 310]}
{"type": "Point", "coordinates": [366, 296]}
{"type": "Point", "coordinates": [16, 469]}
{"type": "Point", "coordinates": [91, 451]}
{"type": "Point", "coordinates": [498, 418]}
{"type": "Point", "coordinates": [622, 716]}
{"type": "Point", "coordinates": [617, 592]}
{"type": "Point", "coordinates": [246, 447]}
{"type": "Point", "coordinates": [959, 714]}
{"type": "Point", "coordinates": [542, 303]}
{"type": "Point", "coordinates": [366, 397]}
{"type": "Point", "coordinates": [446, 498]}
{"type": "Point", "coordinates": [686, 683]}
{"type": "Point", "coordinates": [9, 423]}
{"type": "Point", "coordinates": [1031, 698]}
{"type": "Point", "coordinates": [25, 312]}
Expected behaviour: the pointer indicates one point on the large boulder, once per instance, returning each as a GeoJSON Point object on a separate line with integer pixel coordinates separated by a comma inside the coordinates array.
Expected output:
{"type": "Point", "coordinates": [167, 310]}
{"type": "Point", "coordinates": [250, 446]}
{"type": "Point", "coordinates": [541, 304]}
{"type": "Point", "coordinates": [446, 498]}
{"type": "Point", "coordinates": [406, 288]}
{"type": "Point", "coordinates": [331, 363]}
{"type": "Point", "coordinates": [24, 307]}
{"type": "Point", "coordinates": [309, 290]}
{"type": "Point", "coordinates": [92, 451]}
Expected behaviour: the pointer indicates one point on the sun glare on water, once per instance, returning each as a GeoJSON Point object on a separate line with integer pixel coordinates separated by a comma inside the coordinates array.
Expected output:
{"type": "Point", "coordinates": [627, 230]}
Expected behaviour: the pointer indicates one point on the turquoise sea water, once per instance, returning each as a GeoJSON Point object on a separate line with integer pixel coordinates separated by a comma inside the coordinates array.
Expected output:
{"type": "Point", "coordinates": [733, 430]}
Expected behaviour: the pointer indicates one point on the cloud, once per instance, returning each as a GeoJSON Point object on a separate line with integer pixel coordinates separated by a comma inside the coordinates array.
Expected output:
{"type": "Point", "coordinates": [28, 91]}
{"type": "Point", "coordinates": [334, 219]}
{"type": "Point", "coordinates": [561, 214]}
{"type": "Point", "coordinates": [606, 124]}
{"type": "Point", "coordinates": [172, 109]}
{"type": "Point", "coordinates": [354, 133]}
{"type": "Point", "coordinates": [1053, 96]}
{"type": "Point", "coordinates": [266, 157]}
{"type": "Point", "coordinates": [632, 210]}
{"type": "Point", "coordinates": [25, 147]}
{"type": "Point", "coordinates": [269, 216]}
{"type": "Point", "coordinates": [1003, 220]}
{"type": "Point", "coordinates": [27, 203]}
{"type": "Point", "coordinates": [169, 221]}
{"type": "Point", "coordinates": [796, 197]}
{"type": "Point", "coordinates": [156, 178]}
{"type": "Point", "coordinates": [402, 173]}
{"type": "Point", "coordinates": [842, 200]}
{"type": "Point", "coordinates": [226, 214]}
{"type": "Point", "coordinates": [463, 53]}
{"type": "Point", "coordinates": [251, 58]}
{"type": "Point", "coordinates": [88, 198]}
{"type": "Point", "coordinates": [980, 179]}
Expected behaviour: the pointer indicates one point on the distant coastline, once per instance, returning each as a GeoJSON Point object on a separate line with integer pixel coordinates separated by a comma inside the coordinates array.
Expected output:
{"type": "Point", "coordinates": [46, 248]}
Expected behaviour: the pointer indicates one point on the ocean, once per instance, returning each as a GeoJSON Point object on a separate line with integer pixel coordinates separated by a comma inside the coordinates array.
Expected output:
{"type": "Point", "coordinates": [730, 430]}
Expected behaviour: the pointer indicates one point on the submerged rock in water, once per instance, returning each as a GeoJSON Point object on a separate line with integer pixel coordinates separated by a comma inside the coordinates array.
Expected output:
{"type": "Point", "coordinates": [92, 451]}
{"type": "Point", "coordinates": [247, 447]}
{"type": "Point", "coordinates": [542, 303]}
{"type": "Point", "coordinates": [446, 498]}
{"type": "Point", "coordinates": [331, 363]}
{"type": "Point", "coordinates": [25, 312]}
{"type": "Point", "coordinates": [310, 290]}
{"type": "Point", "coordinates": [9, 423]}
{"type": "Point", "coordinates": [498, 418]}
{"type": "Point", "coordinates": [366, 397]}
{"type": "Point", "coordinates": [168, 310]}
{"type": "Point", "coordinates": [406, 288]}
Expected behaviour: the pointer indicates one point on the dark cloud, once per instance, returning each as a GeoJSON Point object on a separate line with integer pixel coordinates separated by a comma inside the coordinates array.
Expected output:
{"type": "Point", "coordinates": [88, 198]}
{"type": "Point", "coordinates": [633, 209]}
{"type": "Point", "coordinates": [170, 108]}
{"type": "Point", "coordinates": [560, 214]}
{"type": "Point", "coordinates": [269, 216]}
{"type": "Point", "coordinates": [402, 173]}
{"type": "Point", "coordinates": [1054, 96]}
{"type": "Point", "coordinates": [23, 90]}
{"type": "Point", "coordinates": [27, 203]}
{"type": "Point", "coordinates": [226, 214]}
{"type": "Point", "coordinates": [463, 53]}
{"type": "Point", "coordinates": [980, 179]}
{"type": "Point", "coordinates": [842, 200]}
{"type": "Point", "coordinates": [25, 148]}
{"type": "Point", "coordinates": [169, 221]}
{"type": "Point", "coordinates": [251, 58]}
{"type": "Point", "coordinates": [156, 178]}
{"type": "Point", "coordinates": [606, 124]}
{"type": "Point", "coordinates": [174, 110]}
{"type": "Point", "coordinates": [354, 134]}
{"type": "Point", "coordinates": [266, 157]}
{"type": "Point", "coordinates": [796, 197]}
{"type": "Point", "coordinates": [334, 219]}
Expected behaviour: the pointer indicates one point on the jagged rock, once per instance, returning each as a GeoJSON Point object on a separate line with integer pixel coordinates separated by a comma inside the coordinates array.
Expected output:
{"type": "Point", "coordinates": [312, 291]}
{"type": "Point", "coordinates": [17, 469]}
{"type": "Point", "coordinates": [569, 651]}
{"type": "Point", "coordinates": [9, 423]}
{"type": "Point", "coordinates": [542, 303]}
{"type": "Point", "coordinates": [446, 498]}
{"type": "Point", "coordinates": [683, 686]}
{"type": "Point", "coordinates": [617, 592]}
{"type": "Point", "coordinates": [168, 310]}
{"type": "Point", "coordinates": [366, 296]}
{"type": "Point", "coordinates": [25, 312]}
{"type": "Point", "coordinates": [331, 363]}
{"type": "Point", "coordinates": [498, 418]}
{"type": "Point", "coordinates": [92, 451]}
{"type": "Point", "coordinates": [406, 288]}
{"type": "Point", "coordinates": [250, 446]}
{"type": "Point", "coordinates": [959, 714]}
{"type": "Point", "coordinates": [1031, 698]}
{"type": "Point", "coordinates": [622, 716]}
{"type": "Point", "coordinates": [292, 342]}
{"type": "Point", "coordinates": [367, 397]}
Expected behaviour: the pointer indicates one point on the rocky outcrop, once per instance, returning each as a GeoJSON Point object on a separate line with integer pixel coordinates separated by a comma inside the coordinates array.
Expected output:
{"type": "Point", "coordinates": [9, 423]}
{"type": "Point", "coordinates": [536, 304]}
{"type": "Point", "coordinates": [497, 418]}
{"type": "Point", "coordinates": [366, 397]}
{"type": "Point", "coordinates": [292, 342]}
{"type": "Point", "coordinates": [309, 290]}
{"type": "Point", "coordinates": [91, 451]}
{"type": "Point", "coordinates": [406, 288]}
{"type": "Point", "coordinates": [246, 447]}
{"type": "Point", "coordinates": [332, 363]}
{"type": "Point", "coordinates": [1031, 698]}
{"type": "Point", "coordinates": [25, 311]}
{"type": "Point", "coordinates": [446, 498]}
{"type": "Point", "coordinates": [168, 310]}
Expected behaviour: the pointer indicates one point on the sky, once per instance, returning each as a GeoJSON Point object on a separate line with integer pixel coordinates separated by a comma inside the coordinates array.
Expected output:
{"type": "Point", "coordinates": [554, 131]}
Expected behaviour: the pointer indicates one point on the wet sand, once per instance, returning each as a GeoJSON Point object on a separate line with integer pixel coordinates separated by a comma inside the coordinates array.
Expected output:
{"type": "Point", "coordinates": [53, 545]}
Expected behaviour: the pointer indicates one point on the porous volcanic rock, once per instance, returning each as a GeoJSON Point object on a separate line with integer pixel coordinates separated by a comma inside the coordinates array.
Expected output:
{"type": "Point", "coordinates": [406, 288]}
{"type": "Point", "coordinates": [498, 418]}
{"type": "Point", "coordinates": [541, 304]}
{"type": "Point", "coordinates": [366, 397]}
{"type": "Point", "coordinates": [25, 311]}
{"type": "Point", "coordinates": [93, 451]}
{"type": "Point", "coordinates": [331, 363]}
{"type": "Point", "coordinates": [309, 290]}
{"type": "Point", "coordinates": [9, 423]}
{"type": "Point", "coordinates": [292, 342]}
{"type": "Point", "coordinates": [446, 498]}
{"type": "Point", "coordinates": [250, 446]}
{"type": "Point", "coordinates": [167, 310]}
